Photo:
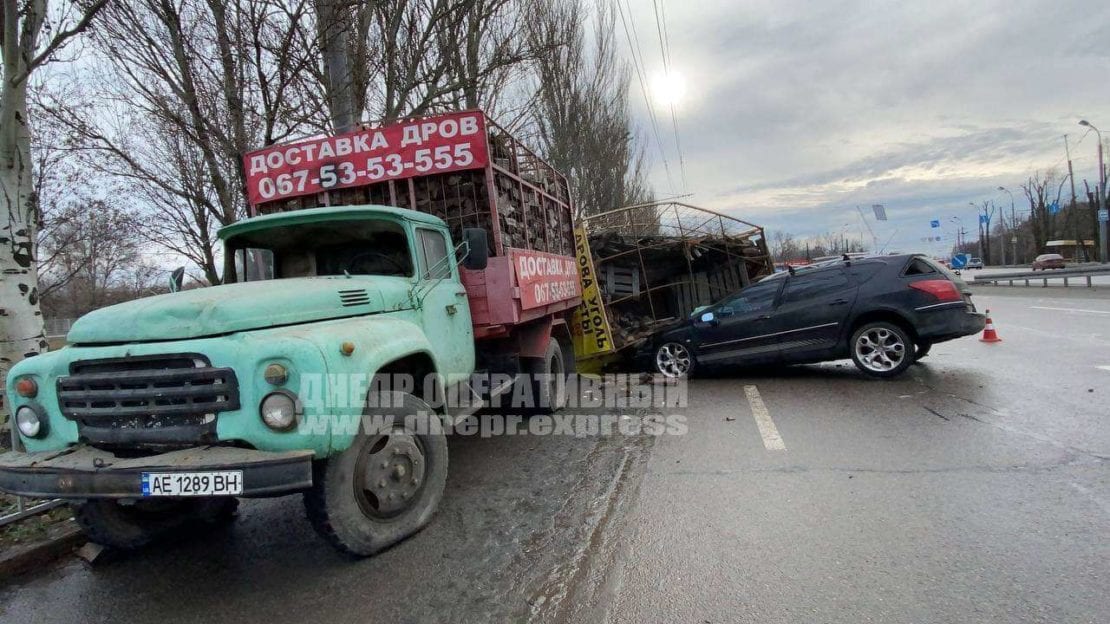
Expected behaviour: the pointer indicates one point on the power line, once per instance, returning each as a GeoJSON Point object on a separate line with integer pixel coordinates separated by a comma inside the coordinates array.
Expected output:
{"type": "Point", "coordinates": [637, 62]}
{"type": "Point", "coordinates": [665, 51]}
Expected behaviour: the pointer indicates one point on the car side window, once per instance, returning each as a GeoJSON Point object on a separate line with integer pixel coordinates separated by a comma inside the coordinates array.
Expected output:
{"type": "Point", "coordinates": [809, 286]}
{"type": "Point", "coordinates": [434, 248]}
{"type": "Point", "coordinates": [752, 299]}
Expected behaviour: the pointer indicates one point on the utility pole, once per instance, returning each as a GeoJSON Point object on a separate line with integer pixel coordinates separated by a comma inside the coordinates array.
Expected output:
{"type": "Point", "coordinates": [1013, 223]}
{"type": "Point", "coordinates": [1101, 193]}
{"type": "Point", "coordinates": [1074, 213]}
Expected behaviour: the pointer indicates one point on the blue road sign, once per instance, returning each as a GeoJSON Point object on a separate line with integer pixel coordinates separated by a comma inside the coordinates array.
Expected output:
{"type": "Point", "coordinates": [959, 261]}
{"type": "Point", "coordinates": [934, 223]}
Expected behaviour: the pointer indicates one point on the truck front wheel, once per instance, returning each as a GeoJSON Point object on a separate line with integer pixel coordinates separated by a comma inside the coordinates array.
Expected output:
{"type": "Point", "coordinates": [386, 486]}
{"type": "Point", "coordinates": [128, 526]}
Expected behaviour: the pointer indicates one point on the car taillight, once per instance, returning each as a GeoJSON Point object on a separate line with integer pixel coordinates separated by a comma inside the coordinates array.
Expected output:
{"type": "Point", "coordinates": [943, 290]}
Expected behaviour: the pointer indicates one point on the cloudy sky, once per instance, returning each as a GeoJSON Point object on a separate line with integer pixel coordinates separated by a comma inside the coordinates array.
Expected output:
{"type": "Point", "coordinates": [794, 113]}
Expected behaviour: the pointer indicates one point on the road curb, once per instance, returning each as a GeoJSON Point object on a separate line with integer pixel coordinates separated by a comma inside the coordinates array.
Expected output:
{"type": "Point", "coordinates": [61, 540]}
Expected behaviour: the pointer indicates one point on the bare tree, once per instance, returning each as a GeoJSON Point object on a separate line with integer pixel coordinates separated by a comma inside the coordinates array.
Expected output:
{"type": "Point", "coordinates": [193, 84]}
{"type": "Point", "coordinates": [93, 247]}
{"type": "Point", "coordinates": [581, 112]}
{"type": "Point", "coordinates": [32, 32]}
{"type": "Point", "coordinates": [1036, 189]}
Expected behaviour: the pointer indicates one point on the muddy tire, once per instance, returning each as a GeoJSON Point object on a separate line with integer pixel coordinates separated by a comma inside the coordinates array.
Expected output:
{"type": "Point", "coordinates": [131, 526]}
{"type": "Point", "coordinates": [385, 487]}
{"type": "Point", "coordinates": [548, 376]}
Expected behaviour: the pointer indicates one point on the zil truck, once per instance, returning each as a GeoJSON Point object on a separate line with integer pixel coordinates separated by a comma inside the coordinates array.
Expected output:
{"type": "Point", "coordinates": [434, 250]}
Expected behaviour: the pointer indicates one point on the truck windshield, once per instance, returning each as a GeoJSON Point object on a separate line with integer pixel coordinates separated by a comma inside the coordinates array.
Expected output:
{"type": "Point", "coordinates": [358, 247]}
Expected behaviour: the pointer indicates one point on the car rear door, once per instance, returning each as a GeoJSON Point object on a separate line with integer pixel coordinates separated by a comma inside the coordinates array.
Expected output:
{"type": "Point", "coordinates": [813, 311]}
{"type": "Point", "coordinates": [738, 330]}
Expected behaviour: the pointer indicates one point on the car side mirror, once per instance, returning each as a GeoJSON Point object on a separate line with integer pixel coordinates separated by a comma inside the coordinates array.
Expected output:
{"type": "Point", "coordinates": [708, 318]}
{"type": "Point", "coordinates": [177, 279]}
{"type": "Point", "coordinates": [477, 248]}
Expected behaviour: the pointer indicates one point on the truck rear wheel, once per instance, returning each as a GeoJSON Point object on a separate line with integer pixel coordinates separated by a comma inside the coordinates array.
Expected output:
{"type": "Point", "coordinates": [131, 526]}
{"type": "Point", "coordinates": [385, 487]}
{"type": "Point", "coordinates": [548, 376]}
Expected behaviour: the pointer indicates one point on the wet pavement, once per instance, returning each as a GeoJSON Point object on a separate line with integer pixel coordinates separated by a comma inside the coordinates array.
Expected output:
{"type": "Point", "coordinates": [976, 488]}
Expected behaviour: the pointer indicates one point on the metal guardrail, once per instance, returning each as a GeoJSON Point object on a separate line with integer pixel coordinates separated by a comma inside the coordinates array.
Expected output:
{"type": "Point", "coordinates": [1084, 273]}
{"type": "Point", "coordinates": [22, 510]}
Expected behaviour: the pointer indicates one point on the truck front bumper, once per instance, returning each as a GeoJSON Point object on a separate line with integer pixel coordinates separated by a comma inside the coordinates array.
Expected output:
{"type": "Point", "coordinates": [86, 472]}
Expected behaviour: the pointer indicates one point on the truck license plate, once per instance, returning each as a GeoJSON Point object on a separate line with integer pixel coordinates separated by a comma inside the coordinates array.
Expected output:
{"type": "Point", "coordinates": [222, 483]}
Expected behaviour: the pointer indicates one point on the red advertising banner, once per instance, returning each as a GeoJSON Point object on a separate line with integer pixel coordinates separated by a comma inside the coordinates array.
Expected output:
{"type": "Point", "coordinates": [441, 144]}
{"type": "Point", "coordinates": [544, 278]}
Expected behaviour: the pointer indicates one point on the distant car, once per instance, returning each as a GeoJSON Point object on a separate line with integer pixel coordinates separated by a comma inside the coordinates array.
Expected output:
{"type": "Point", "coordinates": [883, 312]}
{"type": "Point", "coordinates": [1045, 262]}
{"type": "Point", "coordinates": [974, 263]}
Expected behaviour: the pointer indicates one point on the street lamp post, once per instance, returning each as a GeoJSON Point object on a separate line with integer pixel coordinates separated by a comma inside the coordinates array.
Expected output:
{"type": "Point", "coordinates": [1013, 223]}
{"type": "Point", "coordinates": [1101, 192]}
{"type": "Point", "coordinates": [980, 220]}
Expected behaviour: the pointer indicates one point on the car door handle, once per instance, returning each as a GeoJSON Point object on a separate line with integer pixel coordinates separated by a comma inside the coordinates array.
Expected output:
{"type": "Point", "coordinates": [461, 293]}
{"type": "Point", "coordinates": [839, 302]}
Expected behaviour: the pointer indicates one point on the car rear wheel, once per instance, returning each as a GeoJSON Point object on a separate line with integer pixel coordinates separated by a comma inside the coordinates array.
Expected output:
{"type": "Point", "coordinates": [922, 350]}
{"type": "Point", "coordinates": [674, 360]}
{"type": "Point", "coordinates": [882, 349]}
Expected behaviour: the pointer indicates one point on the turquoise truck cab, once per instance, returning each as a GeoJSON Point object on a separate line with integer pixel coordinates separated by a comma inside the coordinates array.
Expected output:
{"type": "Point", "coordinates": [250, 388]}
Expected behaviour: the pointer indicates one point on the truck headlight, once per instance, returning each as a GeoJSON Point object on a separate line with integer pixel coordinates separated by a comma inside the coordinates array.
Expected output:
{"type": "Point", "coordinates": [31, 423]}
{"type": "Point", "coordinates": [279, 410]}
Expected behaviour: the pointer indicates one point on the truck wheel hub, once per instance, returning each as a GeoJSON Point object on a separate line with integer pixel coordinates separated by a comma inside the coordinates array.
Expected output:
{"type": "Point", "coordinates": [392, 474]}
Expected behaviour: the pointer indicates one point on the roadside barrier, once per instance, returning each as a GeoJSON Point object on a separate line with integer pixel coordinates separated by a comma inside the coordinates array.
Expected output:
{"type": "Point", "coordinates": [1085, 273]}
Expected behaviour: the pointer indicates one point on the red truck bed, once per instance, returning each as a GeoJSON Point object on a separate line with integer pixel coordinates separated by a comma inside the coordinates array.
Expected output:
{"type": "Point", "coordinates": [461, 167]}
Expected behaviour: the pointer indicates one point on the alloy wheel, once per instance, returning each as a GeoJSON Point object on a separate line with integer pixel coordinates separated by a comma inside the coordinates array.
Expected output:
{"type": "Point", "coordinates": [673, 360]}
{"type": "Point", "coordinates": [880, 349]}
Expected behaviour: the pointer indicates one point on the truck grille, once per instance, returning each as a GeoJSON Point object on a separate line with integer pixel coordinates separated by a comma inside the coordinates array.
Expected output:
{"type": "Point", "coordinates": [164, 399]}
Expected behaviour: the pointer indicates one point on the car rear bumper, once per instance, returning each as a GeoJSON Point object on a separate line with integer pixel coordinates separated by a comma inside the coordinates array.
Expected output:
{"type": "Point", "coordinates": [940, 323]}
{"type": "Point", "coordinates": [86, 472]}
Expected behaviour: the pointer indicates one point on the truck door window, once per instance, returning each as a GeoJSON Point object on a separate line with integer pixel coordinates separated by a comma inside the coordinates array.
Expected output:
{"type": "Point", "coordinates": [433, 263]}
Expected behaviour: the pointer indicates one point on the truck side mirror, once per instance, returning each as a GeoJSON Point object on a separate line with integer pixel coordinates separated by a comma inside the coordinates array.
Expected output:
{"type": "Point", "coordinates": [177, 279]}
{"type": "Point", "coordinates": [477, 248]}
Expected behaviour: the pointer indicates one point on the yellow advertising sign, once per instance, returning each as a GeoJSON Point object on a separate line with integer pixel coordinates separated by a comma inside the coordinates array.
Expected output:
{"type": "Point", "coordinates": [590, 326]}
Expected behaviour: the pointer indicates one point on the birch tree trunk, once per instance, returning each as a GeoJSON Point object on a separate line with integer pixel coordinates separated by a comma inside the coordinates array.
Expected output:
{"type": "Point", "coordinates": [21, 24]}
{"type": "Point", "coordinates": [21, 326]}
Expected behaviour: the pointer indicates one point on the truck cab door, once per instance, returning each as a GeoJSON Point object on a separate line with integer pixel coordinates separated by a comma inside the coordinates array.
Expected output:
{"type": "Point", "coordinates": [445, 312]}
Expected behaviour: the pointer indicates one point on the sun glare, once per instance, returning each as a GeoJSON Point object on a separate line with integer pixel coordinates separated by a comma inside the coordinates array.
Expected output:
{"type": "Point", "coordinates": [669, 89]}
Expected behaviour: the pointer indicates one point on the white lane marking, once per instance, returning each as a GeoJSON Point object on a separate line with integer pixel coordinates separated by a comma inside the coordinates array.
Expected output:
{"type": "Point", "coordinates": [1070, 310]}
{"type": "Point", "coordinates": [1104, 367]}
{"type": "Point", "coordinates": [771, 438]}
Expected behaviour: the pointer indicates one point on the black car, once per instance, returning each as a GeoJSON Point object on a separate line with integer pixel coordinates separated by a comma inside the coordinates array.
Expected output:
{"type": "Point", "coordinates": [884, 312]}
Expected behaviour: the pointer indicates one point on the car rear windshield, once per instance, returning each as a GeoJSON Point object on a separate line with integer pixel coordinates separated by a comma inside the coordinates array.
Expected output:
{"type": "Point", "coordinates": [920, 265]}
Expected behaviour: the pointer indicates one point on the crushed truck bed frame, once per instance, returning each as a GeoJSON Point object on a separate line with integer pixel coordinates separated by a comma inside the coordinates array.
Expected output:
{"type": "Point", "coordinates": [656, 263]}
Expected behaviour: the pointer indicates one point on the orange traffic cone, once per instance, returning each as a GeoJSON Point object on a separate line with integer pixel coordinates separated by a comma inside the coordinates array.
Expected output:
{"type": "Point", "coordinates": [989, 335]}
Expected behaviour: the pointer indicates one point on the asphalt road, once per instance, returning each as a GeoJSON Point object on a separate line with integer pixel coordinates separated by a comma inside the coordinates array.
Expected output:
{"type": "Point", "coordinates": [974, 489]}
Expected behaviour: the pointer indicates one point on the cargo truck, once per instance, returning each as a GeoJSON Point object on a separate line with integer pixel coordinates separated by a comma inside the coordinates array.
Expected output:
{"type": "Point", "coordinates": [382, 272]}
